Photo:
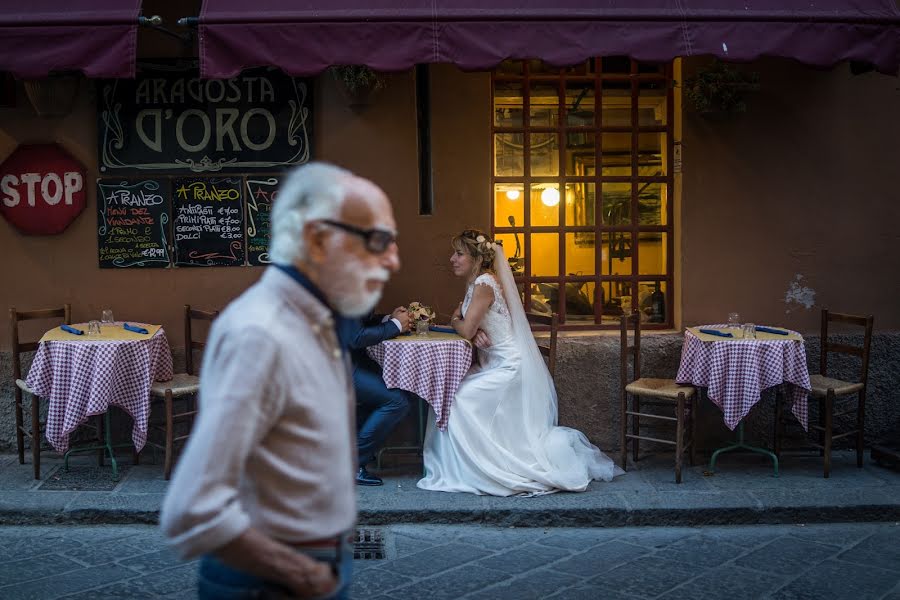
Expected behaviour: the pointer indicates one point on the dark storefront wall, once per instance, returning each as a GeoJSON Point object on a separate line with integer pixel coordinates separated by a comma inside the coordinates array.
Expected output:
{"type": "Point", "coordinates": [805, 183]}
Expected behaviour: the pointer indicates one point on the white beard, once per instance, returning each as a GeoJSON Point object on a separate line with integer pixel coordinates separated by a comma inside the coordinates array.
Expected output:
{"type": "Point", "coordinates": [348, 292]}
{"type": "Point", "coordinates": [357, 306]}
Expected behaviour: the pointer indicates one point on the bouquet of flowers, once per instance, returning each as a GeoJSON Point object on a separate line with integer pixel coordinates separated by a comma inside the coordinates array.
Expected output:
{"type": "Point", "coordinates": [420, 312]}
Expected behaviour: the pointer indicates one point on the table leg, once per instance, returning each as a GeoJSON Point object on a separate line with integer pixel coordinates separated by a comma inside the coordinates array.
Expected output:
{"type": "Point", "coordinates": [741, 445]}
{"type": "Point", "coordinates": [107, 446]}
{"type": "Point", "coordinates": [421, 409]}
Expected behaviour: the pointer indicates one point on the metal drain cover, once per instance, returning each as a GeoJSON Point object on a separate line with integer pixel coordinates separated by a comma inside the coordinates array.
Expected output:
{"type": "Point", "coordinates": [369, 545]}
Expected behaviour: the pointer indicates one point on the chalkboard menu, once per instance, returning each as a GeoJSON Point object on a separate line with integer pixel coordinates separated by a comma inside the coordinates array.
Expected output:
{"type": "Point", "coordinates": [169, 120]}
{"type": "Point", "coordinates": [208, 221]}
{"type": "Point", "coordinates": [132, 220]}
{"type": "Point", "coordinates": [260, 194]}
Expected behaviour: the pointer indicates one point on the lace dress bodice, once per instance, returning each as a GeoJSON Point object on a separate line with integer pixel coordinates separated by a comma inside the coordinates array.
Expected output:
{"type": "Point", "coordinates": [496, 323]}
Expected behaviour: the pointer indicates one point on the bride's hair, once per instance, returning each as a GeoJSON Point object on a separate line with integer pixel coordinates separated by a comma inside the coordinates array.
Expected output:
{"type": "Point", "coordinates": [479, 245]}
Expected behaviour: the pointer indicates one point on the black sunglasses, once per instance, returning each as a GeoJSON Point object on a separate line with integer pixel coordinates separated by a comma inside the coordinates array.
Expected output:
{"type": "Point", "coordinates": [377, 240]}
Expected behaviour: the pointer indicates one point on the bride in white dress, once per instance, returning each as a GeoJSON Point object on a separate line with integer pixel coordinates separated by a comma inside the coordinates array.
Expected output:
{"type": "Point", "coordinates": [502, 438]}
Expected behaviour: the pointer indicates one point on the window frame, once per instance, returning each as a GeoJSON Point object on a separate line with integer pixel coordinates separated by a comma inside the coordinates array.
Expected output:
{"type": "Point", "coordinates": [637, 74]}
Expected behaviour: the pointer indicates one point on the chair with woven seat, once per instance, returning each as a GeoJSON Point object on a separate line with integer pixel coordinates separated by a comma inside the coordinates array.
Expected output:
{"type": "Point", "coordinates": [657, 392]}
{"type": "Point", "coordinates": [828, 391]}
{"type": "Point", "coordinates": [18, 348]}
{"type": "Point", "coordinates": [182, 386]}
{"type": "Point", "coordinates": [549, 322]}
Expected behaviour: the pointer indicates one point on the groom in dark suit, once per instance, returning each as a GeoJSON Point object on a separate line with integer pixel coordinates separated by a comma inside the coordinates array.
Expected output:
{"type": "Point", "coordinates": [387, 406]}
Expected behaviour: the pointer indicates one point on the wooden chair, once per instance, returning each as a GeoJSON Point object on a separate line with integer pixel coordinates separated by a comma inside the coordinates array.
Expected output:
{"type": "Point", "coordinates": [549, 350]}
{"type": "Point", "coordinates": [661, 392]}
{"type": "Point", "coordinates": [182, 385]}
{"type": "Point", "coordinates": [19, 348]}
{"type": "Point", "coordinates": [828, 390]}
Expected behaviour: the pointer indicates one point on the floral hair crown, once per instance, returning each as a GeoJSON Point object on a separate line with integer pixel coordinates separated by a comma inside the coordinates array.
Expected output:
{"type": "Point", "coordinates": [485, 245]}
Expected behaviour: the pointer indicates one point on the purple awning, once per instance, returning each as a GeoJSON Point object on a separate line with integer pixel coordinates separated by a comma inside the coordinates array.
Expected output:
{"type": "Point", "coordinates": [306, 37]}
{"type": "Point", "coordinates": [97, 37]}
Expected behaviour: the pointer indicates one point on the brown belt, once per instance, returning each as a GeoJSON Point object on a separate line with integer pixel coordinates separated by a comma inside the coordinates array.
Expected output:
{"type": "Point", "coordinates": [332, 542]}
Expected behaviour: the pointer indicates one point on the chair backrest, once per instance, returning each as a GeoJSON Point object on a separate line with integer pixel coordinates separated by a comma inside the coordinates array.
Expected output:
{"type": "Point", "coordinates": [18, 347]}
{"type": "Point", "coordinates": [633, 322]}
{"type": "Point", "coordinates": [540, 322]}
{"type": "Point", "coordinates": [190, 344]}
{"type": "Point", "coordinates": [861, 351]}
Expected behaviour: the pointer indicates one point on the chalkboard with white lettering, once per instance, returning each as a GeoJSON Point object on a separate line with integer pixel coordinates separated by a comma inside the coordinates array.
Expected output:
{"type": "Point", "coordinates": [261, 192]}
{"type": "Point", "coordinates": [169, 120]}
{"type": "Point", "coordinates": [208, 221]}
{"type": "Point", "coordinates": [132, 223]}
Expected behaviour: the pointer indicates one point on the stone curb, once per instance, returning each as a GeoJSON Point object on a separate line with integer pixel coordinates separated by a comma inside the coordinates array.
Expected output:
{"type": "Point", "coordinates": [572, 517]}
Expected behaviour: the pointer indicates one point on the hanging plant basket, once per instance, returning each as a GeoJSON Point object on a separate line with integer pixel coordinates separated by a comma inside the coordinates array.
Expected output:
{"type": "Point", "coordinates": [53, 96]}
{"type": "Point", "coordinates": [720, 89]}
{"type": "Point", "coordinates": [360, 85]}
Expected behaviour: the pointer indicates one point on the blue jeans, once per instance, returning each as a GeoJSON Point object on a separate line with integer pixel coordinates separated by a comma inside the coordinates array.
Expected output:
{"type": "Point", "coordinates": [218, 581]}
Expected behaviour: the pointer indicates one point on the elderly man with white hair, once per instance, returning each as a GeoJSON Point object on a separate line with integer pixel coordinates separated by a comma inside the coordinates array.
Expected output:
{"type": "Point", "coordinates": [265, 489]}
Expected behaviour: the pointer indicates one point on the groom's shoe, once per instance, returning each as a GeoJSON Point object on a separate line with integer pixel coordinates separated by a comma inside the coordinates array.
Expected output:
{"type": "Point", "coordinates": [363, 477]}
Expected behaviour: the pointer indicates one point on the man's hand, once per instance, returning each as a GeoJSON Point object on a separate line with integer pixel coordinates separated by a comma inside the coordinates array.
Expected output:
{"type": "Point", "coordinates": [481, 339]}
{"type": "Point", "coordinates": [314, 579]}
{"type": "Point", "coordinates": [401, 314]}
{"type": "Point", "coordinates": [258, 554]}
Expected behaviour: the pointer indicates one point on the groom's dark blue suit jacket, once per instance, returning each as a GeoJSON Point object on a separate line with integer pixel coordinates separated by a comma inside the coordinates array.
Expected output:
{"type": "Point", "coordinates": [359, 334]}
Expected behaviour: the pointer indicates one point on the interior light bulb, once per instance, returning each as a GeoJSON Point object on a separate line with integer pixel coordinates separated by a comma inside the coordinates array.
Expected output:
{"type": "Point", "coordinates": [550, 196]}
{"type": "Point", "coordinates": [512, 194]}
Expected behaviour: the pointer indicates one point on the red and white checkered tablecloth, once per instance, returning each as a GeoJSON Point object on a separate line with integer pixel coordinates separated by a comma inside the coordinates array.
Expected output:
{"type": "Point", "coordinates": [737, 371]}
{"type": "Point", "coordinates": [80, 379]}
{"type": "Point", "coordinates": [431, 369]}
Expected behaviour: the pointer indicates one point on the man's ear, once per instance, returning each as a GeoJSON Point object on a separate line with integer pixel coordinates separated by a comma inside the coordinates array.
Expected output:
{"type": "Point", "coordinates": [314, 240]}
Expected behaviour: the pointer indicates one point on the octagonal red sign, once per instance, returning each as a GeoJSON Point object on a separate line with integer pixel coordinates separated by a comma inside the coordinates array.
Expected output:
{"type": "Point", "coordinates": [41, 189]}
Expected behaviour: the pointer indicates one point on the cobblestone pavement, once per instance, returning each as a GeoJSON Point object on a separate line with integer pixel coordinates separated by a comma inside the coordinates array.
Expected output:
{"type": "Point", "coordinates": [853, 561]}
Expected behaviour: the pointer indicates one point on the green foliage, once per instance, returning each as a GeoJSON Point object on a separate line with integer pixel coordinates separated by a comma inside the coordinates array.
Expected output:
{"type": "Point", "coordinates": [720, 88]}
{"type": "Point", "coordinates": [358, 79]}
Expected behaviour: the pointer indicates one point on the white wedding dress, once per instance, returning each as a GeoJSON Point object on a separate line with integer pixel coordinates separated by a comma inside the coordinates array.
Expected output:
{"type": "Point", "coordinates": [502, 437]}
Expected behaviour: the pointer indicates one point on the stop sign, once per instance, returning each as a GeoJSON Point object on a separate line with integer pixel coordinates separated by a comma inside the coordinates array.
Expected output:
{"type": "Point", "coordinates": [41, 189]}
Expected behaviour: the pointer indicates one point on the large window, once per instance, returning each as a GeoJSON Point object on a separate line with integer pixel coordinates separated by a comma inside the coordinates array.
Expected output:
{"type": "Point", "coordinates": [582, 187]}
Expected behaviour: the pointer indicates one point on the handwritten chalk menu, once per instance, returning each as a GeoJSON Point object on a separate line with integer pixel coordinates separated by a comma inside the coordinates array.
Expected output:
{"type": "Point", "coordinates": [260, 194]}
{"type": "Point", "coordinates": [132, 220]}
{"type": "Point", "coordinates": [208, 221]}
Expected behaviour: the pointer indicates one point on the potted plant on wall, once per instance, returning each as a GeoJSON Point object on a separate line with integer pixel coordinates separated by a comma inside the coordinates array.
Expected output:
{"type": "Point", "coordinates": [719, 89]}
{"type": "Point", "coordinates": [54, 95]}
{"type": "Point", "coordinates": [359, 84]}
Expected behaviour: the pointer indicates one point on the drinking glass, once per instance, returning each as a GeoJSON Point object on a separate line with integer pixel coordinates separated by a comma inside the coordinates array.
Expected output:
{"type": "Point", "coordinates": [734, 320]}
{"type": "Point", "coordinates": [422, 326]}
{"type": "Point", "coordinates": [749, 331]}
{"type": "Point", "coordinates": [107, 316]}
{"type": "Point", "coordinates": [93, 328]}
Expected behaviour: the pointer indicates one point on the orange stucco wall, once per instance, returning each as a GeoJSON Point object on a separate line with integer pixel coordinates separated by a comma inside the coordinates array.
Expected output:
{"type": "Point", "coordinates": [378, 141]}
{"type": "Point", "coordinates": [805, 183]}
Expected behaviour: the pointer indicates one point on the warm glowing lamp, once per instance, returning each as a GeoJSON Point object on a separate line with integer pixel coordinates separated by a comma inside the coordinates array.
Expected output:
{"type": "Point", "coordinates": [550, 196]}
{"type": "Point", "coordinates": [512, 194]}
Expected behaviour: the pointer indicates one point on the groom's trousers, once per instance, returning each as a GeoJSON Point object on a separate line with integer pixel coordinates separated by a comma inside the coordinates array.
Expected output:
{"type": "Point", "coordinates": [386, 408]}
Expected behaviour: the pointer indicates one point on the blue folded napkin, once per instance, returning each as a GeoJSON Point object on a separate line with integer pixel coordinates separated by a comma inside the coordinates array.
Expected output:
{"type": "Point", "coordinates": [134, 328]}
{"type": "Point", "coordinates": [71, 329]}
{"type": "Point", "coordinates": [770, 330]}
{"type": "Point", "coordinates": [440, 329]}
{"type": "Point", "coordinates": [716, 332]}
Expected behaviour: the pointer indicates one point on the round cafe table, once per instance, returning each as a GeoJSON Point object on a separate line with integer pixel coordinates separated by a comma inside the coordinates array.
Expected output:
{"type": "Point", "coordinates": [735, 372]}
{"type": "Point", "coordinates": [82, 375]}
{"type": "Point", "coordinates": [430, 366]}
